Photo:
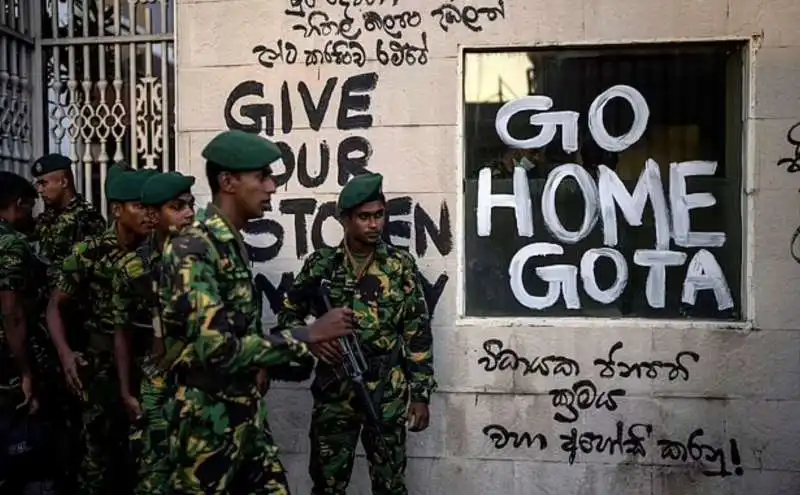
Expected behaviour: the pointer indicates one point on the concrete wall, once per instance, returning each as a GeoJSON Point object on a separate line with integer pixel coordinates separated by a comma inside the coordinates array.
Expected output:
{"type": "Point", "coordinates": [746, 383]}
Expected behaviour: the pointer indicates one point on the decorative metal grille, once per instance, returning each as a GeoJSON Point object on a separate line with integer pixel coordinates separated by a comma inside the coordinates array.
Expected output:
{"type": "Point", "coordinates": [109, 67]}
{"type": "Point", "coordinates": [17, 49]}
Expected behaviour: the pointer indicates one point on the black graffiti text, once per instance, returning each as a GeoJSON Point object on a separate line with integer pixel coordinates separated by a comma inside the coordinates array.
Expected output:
{"type": "Point", "coordinates": [499, 359]}
{"type": "Point", "coordinates": [397, 53]}
{"type": "Point", "coordinates": [449, 14]}
{"type": "Point", "coordinates": [391, 24]}
{"type": "Point", "coordinates": [503, 437]}
{"type": "Point", "coordinates": [581, 396]}
{"type": "Point", "coordinates": [704, 453]}
{"type": "Point", "coordinates": [630, 443]}
{"type": "Point", "coordinates": [793, 137]}
{"type": "Point", "coordinates": [352, 153]}
{"type": "Point", "coordinates": [651, 369]}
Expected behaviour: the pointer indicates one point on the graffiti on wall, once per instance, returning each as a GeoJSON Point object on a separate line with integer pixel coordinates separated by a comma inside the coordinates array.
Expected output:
{"type": "Point", "coordinates": [792, 163]}
{"type": "Point", "coordinates": [351, 32]}
{"type": "Point", "coordinates": [410, 224]}
{"type": "Point", "coordinates": [584, 396]}
{"type": "Point", "coordinates": [601, 199]}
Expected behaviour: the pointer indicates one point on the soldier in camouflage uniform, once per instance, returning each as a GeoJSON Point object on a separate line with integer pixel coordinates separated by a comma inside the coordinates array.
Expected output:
{"type": "Point", "coordinates": [219, 438]}
{"type": "Point", "coordinates": [381, 285]}
{"type": "Point", "coordinates": [22, 302]}
{"type": "Point", "coordinates": [137, 318]}
{"type": "Point", "coordinates": [67, 218]}
{"type": "Point", "coordinates": [86, 278]}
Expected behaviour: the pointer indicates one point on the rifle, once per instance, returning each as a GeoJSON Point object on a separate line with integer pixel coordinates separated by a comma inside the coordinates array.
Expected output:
{"type": "Point", "coordinates": [355, 365]}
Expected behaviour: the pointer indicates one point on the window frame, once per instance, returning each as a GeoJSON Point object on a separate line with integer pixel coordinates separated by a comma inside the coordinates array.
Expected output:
{"type": "Point", "coordinates": [748, 161]}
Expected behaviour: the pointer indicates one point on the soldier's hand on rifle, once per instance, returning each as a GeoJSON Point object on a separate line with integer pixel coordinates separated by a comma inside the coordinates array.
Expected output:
{"type": "Point", "coordinates": [336, 323]}
{"type": "Point", "coordinates": [418, 416]}
{"type": "Point", "coordinates": [330, 352]}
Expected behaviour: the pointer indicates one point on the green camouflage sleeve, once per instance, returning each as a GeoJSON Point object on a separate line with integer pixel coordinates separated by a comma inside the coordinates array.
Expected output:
{"type": "Point", "coordinates": [189, 267]}
{"type": "Point", "coordinates": [69, 276]}
{"type": "Point", "coordinates": [12, 259]}
{"type": "Point", "coordinates": [417, 335]}
{"type": "Point", "coordinates": [297, 303]}
{"type": "Point", "coordinates": [123, 299]}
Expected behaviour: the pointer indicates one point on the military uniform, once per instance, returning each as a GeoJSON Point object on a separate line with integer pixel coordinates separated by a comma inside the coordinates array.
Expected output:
{"type": "Point", "coordinates": [136, 307]}
{"type": "Point", "coordinates": [393, 327]}
{"type": "Point", "coordinates": [87, 275]}
{"type": "Point", "coordinates": [57, 231]}
{"type": "Point", "coordinates": [219, 436]}
{"type": "Point", "coordinates": [21, 271]}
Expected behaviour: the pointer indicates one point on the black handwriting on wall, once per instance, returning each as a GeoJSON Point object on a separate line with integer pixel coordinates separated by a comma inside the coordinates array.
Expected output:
{"type": "Point", "coordinates": [499, 359]}
{"type": "Point", "coordinates": [351, 154]}
{"type": "Point", "coordinates": [610, 367]}
{"type": "Point", "coordinates": [351, 32]}
{"type": "Point", "coordinates": [503, 438]}
{"type": "Point", "coordinates": [793, 137]}
{"type": "Point", "coordinates": [583, 395]}
{"type": "Point", "coordinates": [631, 441]}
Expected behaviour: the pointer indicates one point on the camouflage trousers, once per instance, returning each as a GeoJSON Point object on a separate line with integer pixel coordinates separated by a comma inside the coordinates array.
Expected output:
{"type": "Point", "coordinates": [221, 446]}
{"type": "Point", "coordinates": [149, 438]}
{"type": "Point", "coordinates": [105, 468]}
{"type": "Point", "coordinates": [337, 422]}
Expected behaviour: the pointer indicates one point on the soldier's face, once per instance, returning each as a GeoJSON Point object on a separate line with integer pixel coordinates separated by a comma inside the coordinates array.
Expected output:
{"type": "Point", "coordinates": [253, 191]}
{"type": "Point", "coordinates": [177, 213]}
{"type": "Point", "coordinates": [135, 218]}
{"type": "Point", "coordinates": [51, 187]}
{"type": "Point", "coordinates": [365, 223]}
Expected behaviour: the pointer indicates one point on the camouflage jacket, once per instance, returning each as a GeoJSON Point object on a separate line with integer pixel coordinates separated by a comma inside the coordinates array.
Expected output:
{"type": "Point", "coordinates": [21, 271]}
{"type": "Point", "coordinates": [388, 303]}
{"type": "Point", "coordinates": [134, 303]}
{"type": "Point", "coordinates": [87, 275]}
{"type": "Point", "coordinates": [210, 304]}
{"type": "Point", "coordinates": [58, 231]}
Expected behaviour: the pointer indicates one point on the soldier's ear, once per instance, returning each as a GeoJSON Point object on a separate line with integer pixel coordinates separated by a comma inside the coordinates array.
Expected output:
{"type": "Point", "coordinates": [227, 182]}
{"type": "Point", "coordinates": [116, 210]}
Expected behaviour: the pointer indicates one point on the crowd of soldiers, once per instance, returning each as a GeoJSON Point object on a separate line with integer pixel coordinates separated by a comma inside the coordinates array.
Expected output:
{"type": "Point", "coordinates": [132, 353]}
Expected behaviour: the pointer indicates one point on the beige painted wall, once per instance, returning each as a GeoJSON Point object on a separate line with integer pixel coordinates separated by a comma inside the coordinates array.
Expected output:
{"type": "Point", "coordinates": [746, 385]}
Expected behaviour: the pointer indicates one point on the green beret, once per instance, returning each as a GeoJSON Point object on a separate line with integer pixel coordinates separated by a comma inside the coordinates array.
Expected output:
{"type": "Point", "coordinates": [126, 186]}
{"type": "Point", "coordinates": [161, 188]}
{"type": "Point", "coordinates": [50, 163]}
{"type": "Point", "coordinates": [240, 151]}
{"type": "Point", "coordinates": [361, 190]}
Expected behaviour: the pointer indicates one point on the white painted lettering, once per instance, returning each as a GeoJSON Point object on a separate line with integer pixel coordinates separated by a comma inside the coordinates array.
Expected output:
{"type": "Point", "coordinates": [549, 121]}
{"type": "Point", "coordinates": [683, 202]}
{"type": "Point", "coordinates": [641, 114]}
{"type": "Point", "coordinates": [704, 273]}
{"type": "Point", "coordinates": [590, 200]}
{"type": "Point", "coordinates": [562, 279]}
{"type": "Point", "coordinates": [588, 261]}
{"type": "Point", "coordinates": [520, 201]}
{"type": "Point", "coordinates": [657, 260]}
{"type": "Point", "coordinates": [612, 191]}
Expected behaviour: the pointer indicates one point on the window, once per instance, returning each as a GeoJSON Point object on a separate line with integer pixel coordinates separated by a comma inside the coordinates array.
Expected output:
{"type": "Point", "coordinates": [604, 181]}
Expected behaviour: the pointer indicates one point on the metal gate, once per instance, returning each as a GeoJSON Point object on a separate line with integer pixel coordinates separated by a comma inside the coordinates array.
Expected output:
{"type": "Point", "coordinates": [106, 91]}
{"type": "Point", "coordinates": [17, 84]}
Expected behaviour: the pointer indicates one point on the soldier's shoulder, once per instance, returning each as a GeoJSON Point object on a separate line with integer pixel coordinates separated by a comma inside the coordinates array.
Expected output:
{"type": "Point", "coordinates": [12, 241]}
{"type": "Point", "coordinates": [131, 265]}
{"type": "Point", "coordinates": [403, 256]}
{"type": "Point", "coordinates": [191, 240]}
{"type": "Point", "coordinates": [321, 257]}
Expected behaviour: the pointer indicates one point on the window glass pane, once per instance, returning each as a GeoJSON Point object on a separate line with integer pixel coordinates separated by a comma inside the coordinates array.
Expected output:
{"type": "Point", "coordinates": [689, 114]}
